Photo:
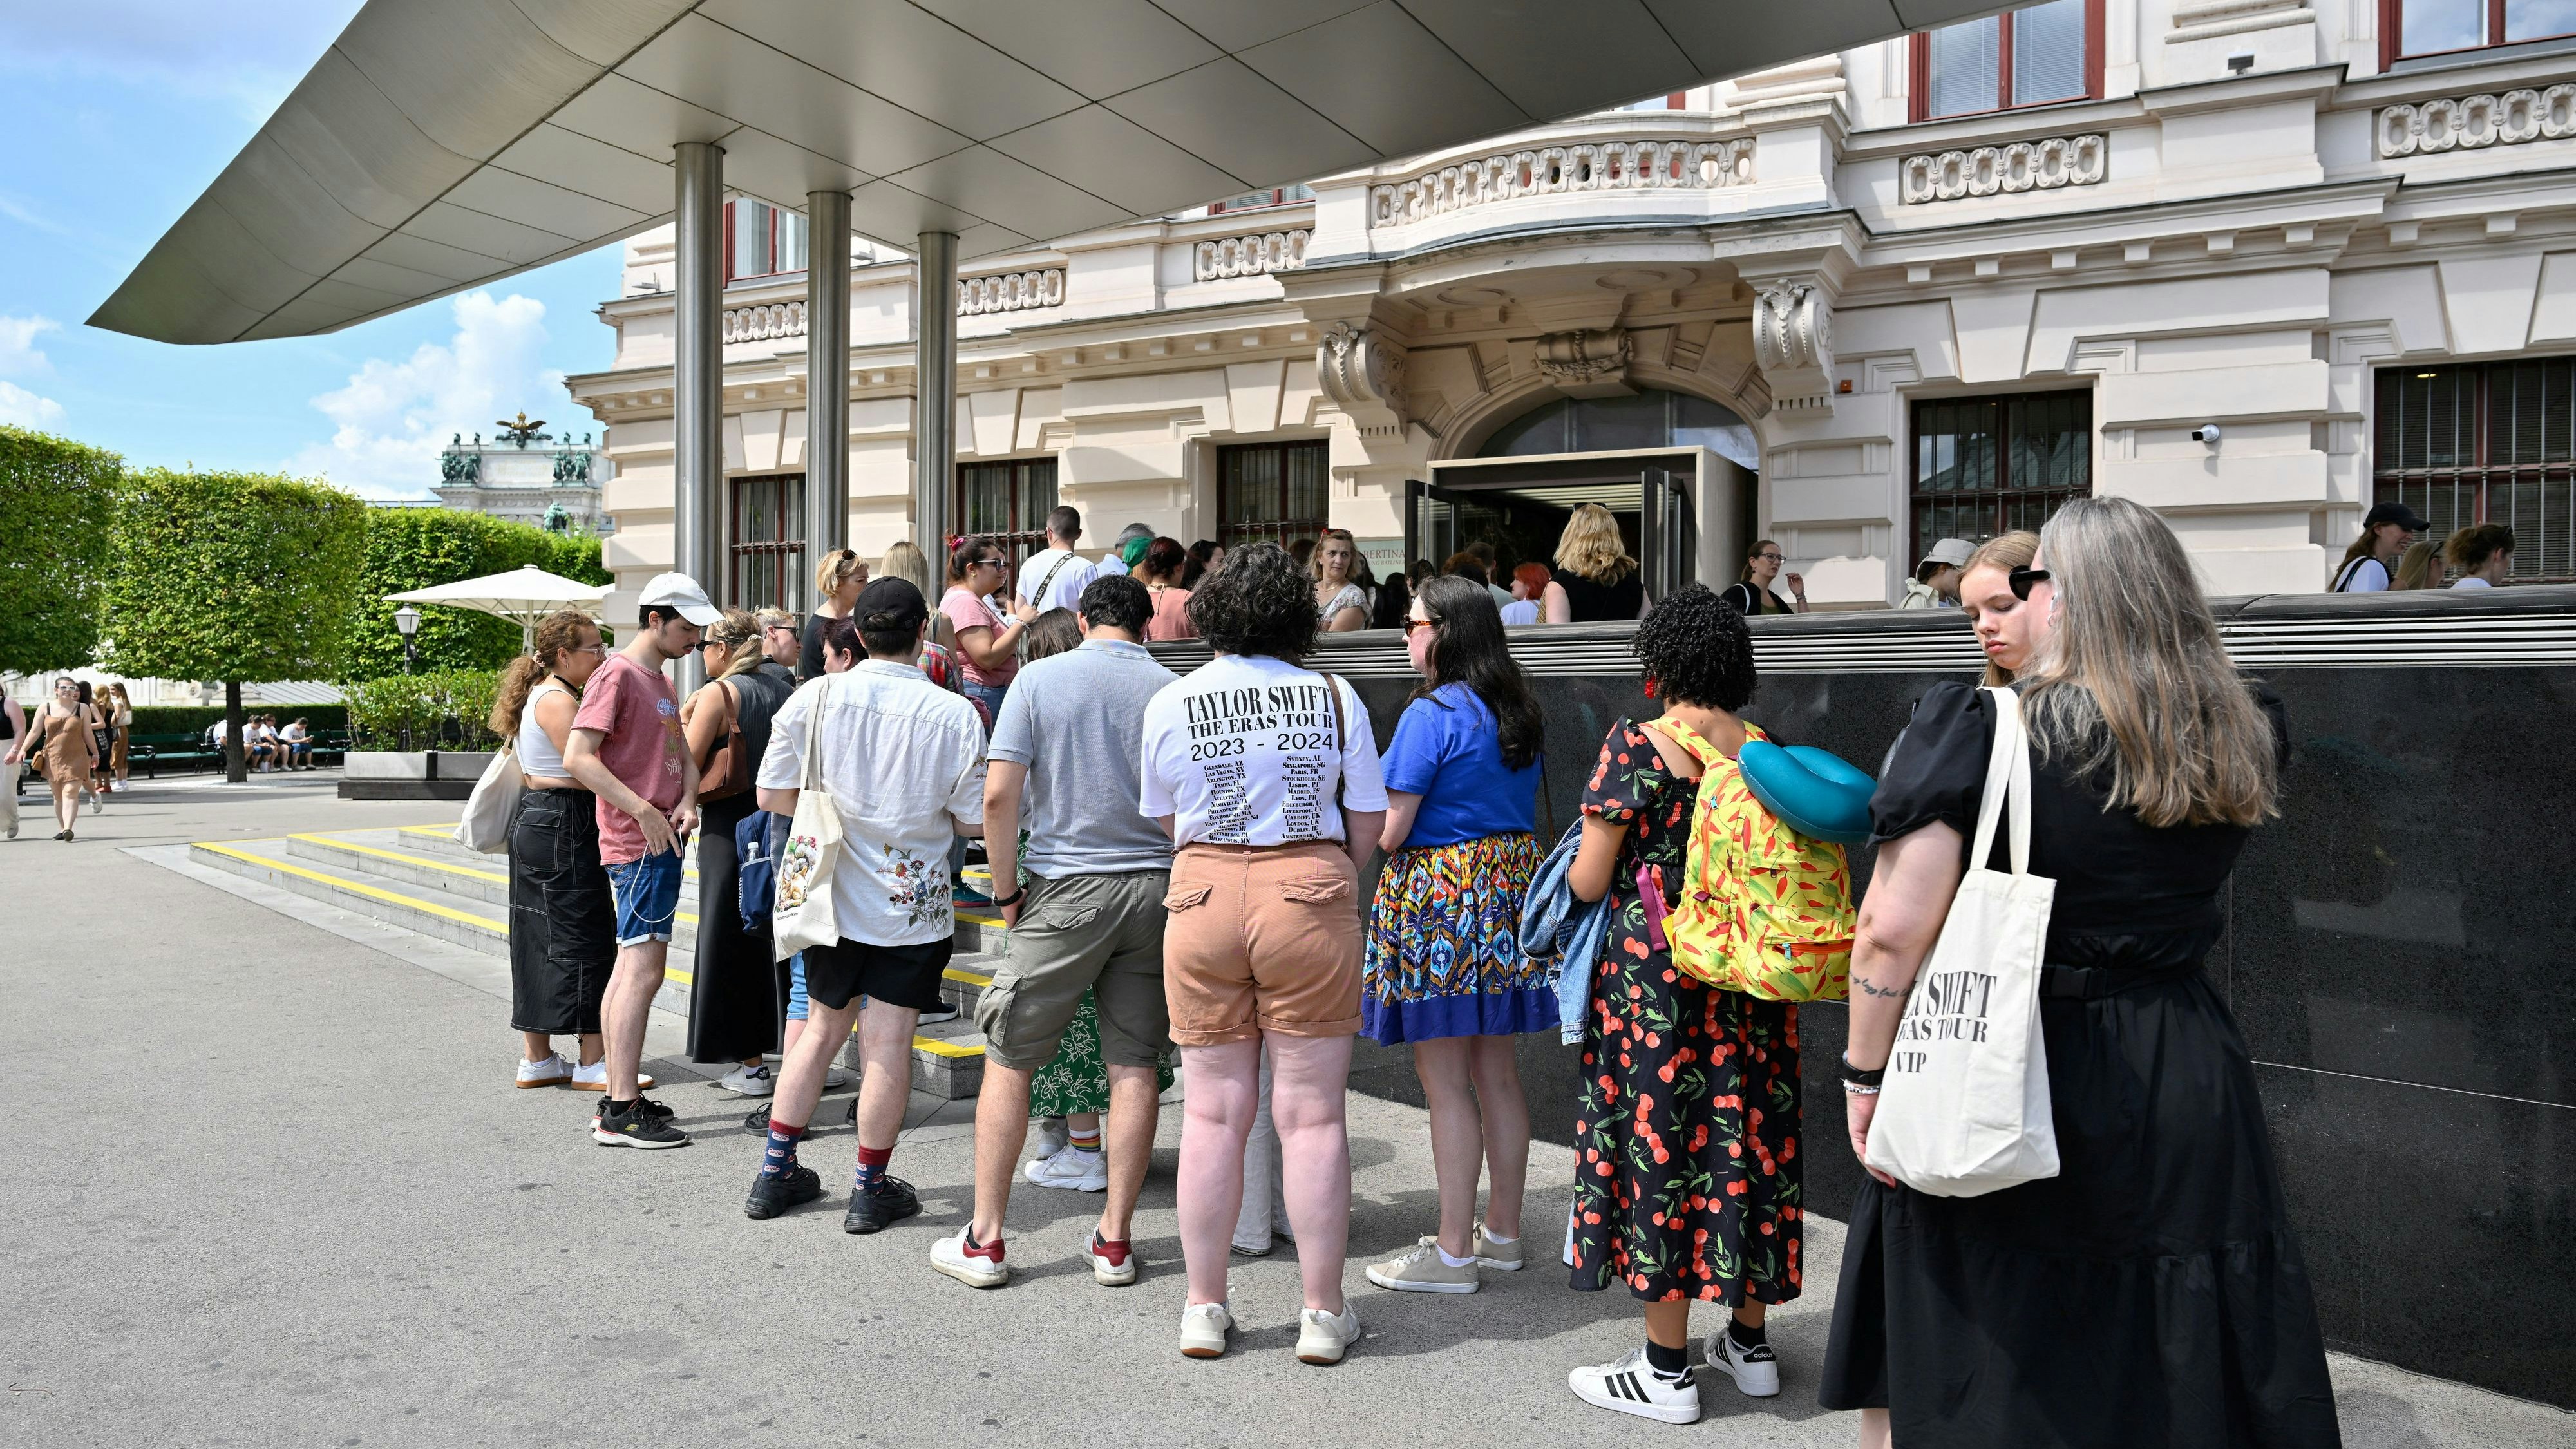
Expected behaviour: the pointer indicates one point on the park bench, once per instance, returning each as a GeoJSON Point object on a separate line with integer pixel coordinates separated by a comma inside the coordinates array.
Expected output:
{"type": "Point", "coordinates": [150, 752]}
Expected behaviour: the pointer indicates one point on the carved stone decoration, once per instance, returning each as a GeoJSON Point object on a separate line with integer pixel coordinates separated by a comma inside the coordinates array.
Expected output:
{"type": "Point", "coordinates": [1793, 342]}
{"type": "Point", "coordinates": [1249, 256]}
{"type": "Point", "coordinates": [2042, 165]}
{"type": "Point", "coordinates": [1602, 166]}
{"type": "Point", "coordinates": [763, 322]}
{"type": "Point", "coordinates": [2469, 123]}
{"type": "Point", "coordinates": [1365, 379]}
{"type": "Point", "coordinates": [1011, 291]}
{"type": "Point", "coordinates": [1589, 363]}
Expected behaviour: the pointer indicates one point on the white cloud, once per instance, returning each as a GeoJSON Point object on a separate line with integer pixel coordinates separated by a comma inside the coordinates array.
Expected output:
{"type": "Point", "coordinates": [18, 354]}
{"type": "Point", "coordinates": [20, 408]}
{"type": "Point", "coordinates": [393, 418]}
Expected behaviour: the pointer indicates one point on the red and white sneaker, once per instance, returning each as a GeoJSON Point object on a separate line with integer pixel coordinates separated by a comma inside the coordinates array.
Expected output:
{"type": "Point", "coordinates": [1113, 1263]}
{"type": "Point", "coordinates": [977, 1265]}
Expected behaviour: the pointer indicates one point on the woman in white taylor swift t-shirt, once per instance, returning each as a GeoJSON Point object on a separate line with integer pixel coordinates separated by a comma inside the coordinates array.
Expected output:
{"type": "Point", "coordinates": [1266, 775]}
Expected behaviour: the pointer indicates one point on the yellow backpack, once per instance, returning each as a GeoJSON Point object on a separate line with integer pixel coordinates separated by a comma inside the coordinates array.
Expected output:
{"type": "Point", "coordinates": [1764, 910]}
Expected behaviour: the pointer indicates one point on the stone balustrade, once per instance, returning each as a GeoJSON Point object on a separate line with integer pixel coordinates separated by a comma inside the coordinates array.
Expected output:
{"type": "Point", "coordinates": [2018, 166]}
{"type": "Point", "coordinates": [2508, 118]}
{"type": "Point", "coordinates": [1257, 255]}
{"type": "Point", "coordinates": [1584, 166]}
{"type": "Point", "coordinates": [763, 321]}
{"type": "Point", "coordinates": [1010, 291]}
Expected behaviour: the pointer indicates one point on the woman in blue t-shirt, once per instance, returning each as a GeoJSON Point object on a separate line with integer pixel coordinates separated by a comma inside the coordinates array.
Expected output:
{"type": "Point", "coordinates": [1443, 968]}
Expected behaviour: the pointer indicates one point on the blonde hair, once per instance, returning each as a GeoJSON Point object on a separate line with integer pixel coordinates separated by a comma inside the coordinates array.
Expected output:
{"type": "Point", "coordinates": [1591, 547]}
{"type": "Point", "coordinates": [739, 633]}
{"type": "Point", "coordinates": [2132, 676]}
{"type": "Point", "coordinates": [2416, 569]}
{"type": "Point", "coordinates": [1315, 560]}
{"type": "Point", "coordinates": [834, 567]}
{"type": "Point", "coordinates": [557, 634]}
{"type": "Point", "coordinates": [907, 562]}
{"type": "Point", "coordinates": [2006, 551]}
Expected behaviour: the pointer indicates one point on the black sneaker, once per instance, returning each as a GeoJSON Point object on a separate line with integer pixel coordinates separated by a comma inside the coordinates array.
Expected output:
{"type": "Point", "coordinates": [892, 1202]}
{"type": "Point", "coordinates": [646, 1105]}
{"type": "Point", "coordinates": [771, 1196]}
{"type": "Point", "coordinates": [852, 1116]}
{"type": "Point", "coordinates": [641, 1123]}
{"type": "Point", "coordinates": [757, 1124]}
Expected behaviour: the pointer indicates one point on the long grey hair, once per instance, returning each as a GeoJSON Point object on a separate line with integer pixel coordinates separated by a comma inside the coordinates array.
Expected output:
{"type": "Point", "coordinates": [2131, 675]}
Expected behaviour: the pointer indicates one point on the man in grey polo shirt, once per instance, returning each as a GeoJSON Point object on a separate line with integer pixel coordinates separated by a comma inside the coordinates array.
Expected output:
{"type": "Point", "coordinates": [1091, 918]}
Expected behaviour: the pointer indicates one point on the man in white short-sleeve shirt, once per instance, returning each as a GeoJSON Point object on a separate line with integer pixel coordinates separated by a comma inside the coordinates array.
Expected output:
{"type": "Point", "coordinates": [1242, 752]}
{"type": "Point", "coordinates": [1055, 576]}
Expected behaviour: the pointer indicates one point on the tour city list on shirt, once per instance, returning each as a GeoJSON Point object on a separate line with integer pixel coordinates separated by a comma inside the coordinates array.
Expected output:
{"type": "Point", "coordinates": [1242, 752]}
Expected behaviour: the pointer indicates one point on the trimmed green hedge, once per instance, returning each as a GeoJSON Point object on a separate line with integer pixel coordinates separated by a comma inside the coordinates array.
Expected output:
{"type": "Point", "coordinates": [58, 502]}
{"type": "Point", "coordinates": [241, 577]}
{"type": "Point", "coordinates": [414, 548]}
{"type": "Point", "coordinates": [441, 711]}
{"type": "Point", "coordinates": [171, 719]}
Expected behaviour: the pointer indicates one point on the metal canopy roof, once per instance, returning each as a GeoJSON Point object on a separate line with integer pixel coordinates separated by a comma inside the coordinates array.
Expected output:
{"type": "Point", "coordinates": [444, 143]}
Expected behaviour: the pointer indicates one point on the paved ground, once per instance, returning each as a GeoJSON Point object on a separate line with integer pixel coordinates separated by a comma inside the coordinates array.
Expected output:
{"type": "Point", "coordinates": [270, 1187]}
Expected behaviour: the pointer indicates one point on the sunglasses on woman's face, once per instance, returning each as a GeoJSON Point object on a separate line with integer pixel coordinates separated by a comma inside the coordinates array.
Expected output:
{"type": "Point", "coordinates": [1412, 624]}
{"type": "Point", "coordinates": [2024, 580]}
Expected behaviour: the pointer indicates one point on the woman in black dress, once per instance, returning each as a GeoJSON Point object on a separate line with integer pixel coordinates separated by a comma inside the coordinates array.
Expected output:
{"type": "Point", "coordinates": [2152, 1293]}
{"type": "Point", "coordinates": [733, 998]}
{"type": "Point", "coordinates": [1594, 580]}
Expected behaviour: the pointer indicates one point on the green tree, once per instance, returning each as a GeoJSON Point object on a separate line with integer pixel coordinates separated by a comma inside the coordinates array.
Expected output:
{"type": "Point", "coordinates": [414, 548]}
{"type": "Point", "coordinates": [59, 501]}
{"type": "Point", "coordinates": [231, 576]}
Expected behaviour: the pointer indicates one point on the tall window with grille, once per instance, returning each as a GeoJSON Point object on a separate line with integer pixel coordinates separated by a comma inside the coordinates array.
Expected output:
{"type": "Point", "coordinates": [2485, 442]}
{"type": "Point", "coordinates": [1989, 465]}
{"type": "Point", "coordinates": [1273, 491]}
{"type": "Point", "coordinates": [769, 542]}
{"type": "Point", "coordinates": [1006, 504]}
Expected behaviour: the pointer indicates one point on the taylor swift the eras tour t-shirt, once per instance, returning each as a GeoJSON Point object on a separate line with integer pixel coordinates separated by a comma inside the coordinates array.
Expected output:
{"type": "Point", "coordinates": [1242, 752]}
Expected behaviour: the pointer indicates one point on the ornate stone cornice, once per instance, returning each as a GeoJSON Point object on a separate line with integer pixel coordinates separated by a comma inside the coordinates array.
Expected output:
{"type": "Point", "coordinates": [2017, 166]}
{"type": "Point", "coordinates": [2468, 123]}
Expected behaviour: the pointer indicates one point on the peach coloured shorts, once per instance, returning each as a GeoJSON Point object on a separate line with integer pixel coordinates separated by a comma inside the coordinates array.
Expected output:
{"type": "Point", "coordinates": [1262, 939]}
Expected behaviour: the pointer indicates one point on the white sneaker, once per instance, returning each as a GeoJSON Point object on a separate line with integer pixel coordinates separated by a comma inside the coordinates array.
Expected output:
{"type": "Point", "coordinates": [1203, 1330]}
{"type": "Point", "coordinates": [976, 1268]}
{"type": "Point", "coordinates": [594, 1078]}
{"type": "Point", "coordinates": [1072, 1168]}
{"type": "Point", "coordinates": [1756, 1370]}
{"type": "Point", "coordinates": [835, 1078]}
{"type": "Point", "coordinates": [553, 1071]}
{"type": "Point", "coordinates": [939, 1014]}
{"type": "Point", "coordinates": [1629, 1385]}
{"type": "Point", "coordinates": [1053, 1136]}
{"type": "Point", "coordinates": [1324, 1337]}
{"type": "Point", "coordinates": [751, 1081]}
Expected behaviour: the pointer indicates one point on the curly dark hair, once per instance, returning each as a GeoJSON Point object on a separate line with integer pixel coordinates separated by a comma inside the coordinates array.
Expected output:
{"type": "Point", "coordinates": [1117, 601]}
{"type": "Point", "coordinates": [1695, 649]}
{"type": "Point", "coordinates": [1259, 600]}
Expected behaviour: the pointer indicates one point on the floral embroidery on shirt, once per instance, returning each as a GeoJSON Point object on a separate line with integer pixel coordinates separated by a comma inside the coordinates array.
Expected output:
{"type": "Point", "coordinates": [921, 886]}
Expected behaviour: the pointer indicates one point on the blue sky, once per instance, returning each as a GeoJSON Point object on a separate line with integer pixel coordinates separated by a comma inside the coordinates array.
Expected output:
{"type": "Point", "coordinates": [118, 113]}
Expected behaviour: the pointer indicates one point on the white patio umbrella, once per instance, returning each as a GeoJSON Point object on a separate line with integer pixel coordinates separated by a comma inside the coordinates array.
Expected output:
{"type": "Point", "coordinates": [525, 594]}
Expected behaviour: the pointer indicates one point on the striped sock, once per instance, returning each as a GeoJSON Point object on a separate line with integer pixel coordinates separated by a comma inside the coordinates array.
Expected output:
{"type": "Point", "coordinates": [872, 1168]}
{"type": "Point", "coordinates": [780, 1158]}
{"type": "Point", "coordinates": [1081, 1143]}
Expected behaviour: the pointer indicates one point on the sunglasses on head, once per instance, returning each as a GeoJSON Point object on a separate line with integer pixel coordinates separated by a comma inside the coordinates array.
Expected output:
{"type": "Point", "coordinates": [2024, 580]}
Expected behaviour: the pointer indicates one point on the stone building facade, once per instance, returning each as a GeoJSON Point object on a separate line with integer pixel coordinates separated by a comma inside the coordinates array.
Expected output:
{"type": "Point", "coordinates": [528, 476]}
{"type": "Point", "coordinates": [2255, 263]}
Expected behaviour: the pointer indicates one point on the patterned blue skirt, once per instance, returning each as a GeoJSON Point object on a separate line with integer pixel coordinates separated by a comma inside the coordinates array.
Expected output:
{"type": "Point", "coordinates": [1443, 955]}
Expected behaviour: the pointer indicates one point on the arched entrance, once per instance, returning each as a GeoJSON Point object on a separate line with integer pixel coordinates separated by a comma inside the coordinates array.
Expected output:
{"type": "Point", "coordinates": [1679, 472]}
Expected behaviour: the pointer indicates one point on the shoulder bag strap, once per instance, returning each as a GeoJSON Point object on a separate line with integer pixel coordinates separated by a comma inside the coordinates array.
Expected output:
{"type": "Point", "coordinates": [1341, 781]}
{"type": "Point", "coordinates": [1038, 599]}
{"type": "Point", "coordinates": [2007, 787]}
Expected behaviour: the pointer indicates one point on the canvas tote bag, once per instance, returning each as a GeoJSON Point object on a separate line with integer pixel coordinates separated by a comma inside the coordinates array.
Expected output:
{"type": "Point", "coordinates": [486, 826]}
{"type": "Point", "coordinates": [804, 915]}
{"type": "Point", "coordinates": [1965, 1108]}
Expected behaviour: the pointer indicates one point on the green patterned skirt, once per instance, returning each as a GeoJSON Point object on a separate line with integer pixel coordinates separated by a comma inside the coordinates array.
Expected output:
{"type": "Point", "coordinates": [1077, 1080]}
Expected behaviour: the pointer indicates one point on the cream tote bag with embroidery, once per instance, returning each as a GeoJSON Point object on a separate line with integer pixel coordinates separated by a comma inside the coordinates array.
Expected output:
{"type": "Point", "coordinates": [1965, 1107]}
{"type": "Point", "coordinates": [804, 915]}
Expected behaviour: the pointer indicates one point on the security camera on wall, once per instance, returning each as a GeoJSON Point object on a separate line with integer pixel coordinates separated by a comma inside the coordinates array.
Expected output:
{"type": "Point", "coordinates": [2206, 433]}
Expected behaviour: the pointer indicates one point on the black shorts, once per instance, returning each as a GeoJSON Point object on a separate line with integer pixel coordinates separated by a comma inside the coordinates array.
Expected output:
{"type": "Point", "coordinates": [839, 974]}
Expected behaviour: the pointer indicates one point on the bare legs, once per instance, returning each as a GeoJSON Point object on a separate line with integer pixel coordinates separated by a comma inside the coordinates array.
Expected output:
{"type": "Point", "coordinates": [66, 803]}
{"type": "Point", "coordinates": [1308, 1079]}
{"type": "Point", "coordinates": [1485, 1130]}
{"type": "Point", "coordinates": [1002, 1129]}
{"type": "Point", "coordinates": [536, 1046]}
{"type": "Point", "coordinates": [1873, 1429]}
{"type": "Point", "coordinates": [629, 1003]}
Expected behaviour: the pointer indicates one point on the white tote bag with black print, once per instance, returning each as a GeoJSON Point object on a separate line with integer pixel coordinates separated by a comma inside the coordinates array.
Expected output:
{"type": "Point", "coordinates": [1965, 1106]}
{"type": "Point", "coordinates": [804, 915]}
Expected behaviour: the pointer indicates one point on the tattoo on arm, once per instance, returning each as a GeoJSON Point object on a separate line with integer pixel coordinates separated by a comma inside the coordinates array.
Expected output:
{"type": "Point", "coordinates": [1872, 988]}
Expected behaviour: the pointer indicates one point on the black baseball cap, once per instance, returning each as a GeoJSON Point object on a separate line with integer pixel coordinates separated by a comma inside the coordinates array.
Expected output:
{"type": "Point", "coordinates": [887, 604]}
{"type": "Point", "coordinates": [2394, 513]}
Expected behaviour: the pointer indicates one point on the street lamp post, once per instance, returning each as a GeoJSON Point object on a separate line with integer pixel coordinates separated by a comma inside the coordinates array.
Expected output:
{"type": "Point", "coordinates": [407, 624]}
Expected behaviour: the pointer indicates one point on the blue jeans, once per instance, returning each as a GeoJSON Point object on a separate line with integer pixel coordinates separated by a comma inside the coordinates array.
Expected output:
{"type": "Point", "coordinates": [648, 897]}
{"type": "Point", "coordinates": [797, 1007]}
{"type": "Point", "coordinates": [987, 695]}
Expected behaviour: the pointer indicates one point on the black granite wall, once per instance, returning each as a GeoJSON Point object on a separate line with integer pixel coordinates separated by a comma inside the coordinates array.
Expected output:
{"type": "Point", "coordinates": [2398, 958]}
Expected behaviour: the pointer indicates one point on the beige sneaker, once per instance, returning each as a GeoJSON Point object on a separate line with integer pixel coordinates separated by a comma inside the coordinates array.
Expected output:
{"type": "Point", "coordinates": [1421, 1271]}
{"type": "Point", "coordinates": [1203, 1330]}
{"type": "Point", "coordinates": [1506, 1256]}
{"type": "Point", "coordinates": [1324, 1337]}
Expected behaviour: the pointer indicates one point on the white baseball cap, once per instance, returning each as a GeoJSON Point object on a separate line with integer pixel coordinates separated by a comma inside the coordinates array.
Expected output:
{"type": "Point", "coordinates": [680, 592]}
{"type": "Point", "coordinates": [1952, 551]}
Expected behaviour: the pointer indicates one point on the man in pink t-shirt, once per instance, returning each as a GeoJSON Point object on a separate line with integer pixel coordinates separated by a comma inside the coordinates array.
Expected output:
{"type": "Point", "coordinates": [626, 749]}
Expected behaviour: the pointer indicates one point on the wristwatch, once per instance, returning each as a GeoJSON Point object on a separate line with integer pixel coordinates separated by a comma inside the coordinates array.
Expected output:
{"type": "Point", "coordinates": [1855, 1077]}
{"type": "Point", "coordinates": [1013, 899]}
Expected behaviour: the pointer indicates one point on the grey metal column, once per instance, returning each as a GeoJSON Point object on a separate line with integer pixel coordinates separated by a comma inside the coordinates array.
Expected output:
{"type": "Point", "coordinates": [827, 374]}
{"type": "Point", "coordinates": [934, 406]}
{"type": "Point", "coordinates": [697, 395]}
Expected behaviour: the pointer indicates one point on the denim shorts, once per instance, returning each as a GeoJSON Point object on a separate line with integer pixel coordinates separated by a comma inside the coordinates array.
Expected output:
{"type": "Point", "coordinates": [648, 897]}
{"type": "Point", "coordinates": [798, 1009]}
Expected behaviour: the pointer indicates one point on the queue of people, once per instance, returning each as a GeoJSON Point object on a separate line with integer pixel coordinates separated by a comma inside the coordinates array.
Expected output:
{"type": "Point", "coordinates": [1183, 864]}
